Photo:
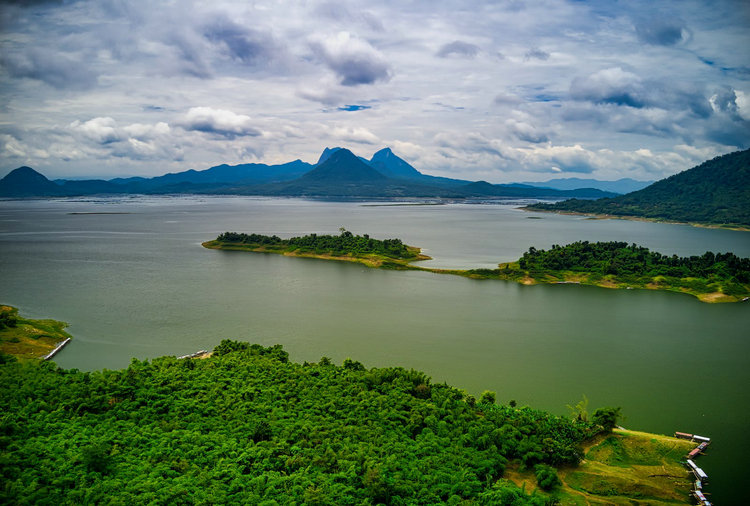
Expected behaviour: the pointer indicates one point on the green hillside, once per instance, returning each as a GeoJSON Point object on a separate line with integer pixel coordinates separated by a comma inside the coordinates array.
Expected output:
{"type": "Point", "coordinates": [246, 426]}
{"type": "Point", "coordinates": [717, 192]}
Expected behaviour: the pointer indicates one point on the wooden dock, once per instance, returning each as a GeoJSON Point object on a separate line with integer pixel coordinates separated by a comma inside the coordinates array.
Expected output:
{"type": "Point", "coordinates": [58, 348]}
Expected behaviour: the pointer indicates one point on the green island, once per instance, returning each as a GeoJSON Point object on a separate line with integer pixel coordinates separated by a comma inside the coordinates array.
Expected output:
{"type": "Point", "coordinates": [248, 426]}
{"type": "Point", "coordinates": [711, 277]}
{"type": "Point", "coordinates": [387, 253]}
{"type": "Point", "coordinates": [28, 339]}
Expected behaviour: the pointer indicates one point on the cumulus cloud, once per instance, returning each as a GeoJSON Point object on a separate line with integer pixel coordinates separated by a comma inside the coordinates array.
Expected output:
{"type": "Point", "coordinates": [619, 87]}
{"type": "Point", "coordinates": [353, 60]}
{"type": "Point", "coordinates": [102, 137]}
{"type": "Point", "coordinates": [610, 86]}
{"type": "Point", "coordinates": [355, 134]}
{"type": "Point", "coordinates": [101, 130]}
{"type": "Point", "coordinates": [219, 122]}
{"type": "Point", "coordinates": [458, 48]}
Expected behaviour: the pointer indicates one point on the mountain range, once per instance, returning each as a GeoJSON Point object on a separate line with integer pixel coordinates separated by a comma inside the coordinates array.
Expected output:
{"type": "Point", "coordinates": [716, 192]}
{"type": "Point", "coordinates": [338, 173]}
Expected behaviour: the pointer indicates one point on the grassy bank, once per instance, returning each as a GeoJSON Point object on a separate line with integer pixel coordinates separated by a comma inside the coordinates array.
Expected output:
{"type": "Point", "coordinates": [28, 339]}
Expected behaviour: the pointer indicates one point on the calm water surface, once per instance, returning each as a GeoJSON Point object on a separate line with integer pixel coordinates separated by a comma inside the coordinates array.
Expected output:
{"type": "Point", "coordinates": [133, 281]}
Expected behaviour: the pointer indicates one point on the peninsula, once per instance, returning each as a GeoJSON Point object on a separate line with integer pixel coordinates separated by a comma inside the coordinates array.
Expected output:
{"type": "Point", "coordinates": [29, 339]}
{"type": "Point", "coordinates": [249, 426]}
{"type": "Point", "coordinates": [711, 277]}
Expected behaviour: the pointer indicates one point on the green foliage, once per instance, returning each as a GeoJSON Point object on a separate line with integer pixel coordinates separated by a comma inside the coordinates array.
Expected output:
{"type": "Point", "coordinates": [338, 245]}
{"type": "Point", "coordinates": [546, 477]}
{"type": "Point", "coordinates": [488, 397]}
{"type": "Point", "coordinates": [247, 426]}
{"type": "Point", "coordinates": [580, 410]}
{"type": "Point", "coordinates": [715, 192]}
{"type": "Point", "coordinates": [607, 418]}
{"type": "Point", "coordinates": [639, 266]}
{"type": "Point", "coordinates": [8, 317]}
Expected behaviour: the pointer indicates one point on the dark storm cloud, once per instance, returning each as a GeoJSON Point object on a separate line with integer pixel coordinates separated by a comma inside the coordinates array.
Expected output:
{"type": "Point", "coordinates": [660, 31]}
{"type": "Point", "coordinates": [458, 48]}
{"type": "Point", "coordinates": [58, 70]}
{"type": "Point", "coordinates": [245, 44]}
{"type": "Point", "coordinates": [354, 60]}
{"type": "Point", "coordinates": [618, 87]}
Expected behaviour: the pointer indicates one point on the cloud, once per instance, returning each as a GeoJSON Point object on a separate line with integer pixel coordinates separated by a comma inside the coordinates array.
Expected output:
{"type": "Point", "coordinates": [52, 67]}
{"type": "Point", "coordinates": [660, 31]}
{"type": "Point", "coordinates": [536, 54]}
{"type": "Point", "coordinates": [526, 132]}
{"type": "Point", "coordinates": [243, 44]}
{"type": "Point", "coordinates": [354, 60]}
{"type": "Point", "coordinates": [219, 122]}
{"type": "Point", "coordinates": [610, 86]}
{"type": "Point", "coordinates": [101, 130]}
{"type": "Point", "coordinates": [458, 48]}
{"type": "Point", "coordinates": [355, 134]}
{"type": "Point", "coordinates": [619, 87]}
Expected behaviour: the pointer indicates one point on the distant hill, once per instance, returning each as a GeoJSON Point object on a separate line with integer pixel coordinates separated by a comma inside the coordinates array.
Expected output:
{"type": "Point", "coordinates": [624, 185]}
{"type": "Point", "coordinates": [483, 188]}
{"type": "Point", "coordinates": [26, 182]}
{"type": "Point", "coordinates": [338, 173]}
{"type": "Point", "coordinates": [716, 192]}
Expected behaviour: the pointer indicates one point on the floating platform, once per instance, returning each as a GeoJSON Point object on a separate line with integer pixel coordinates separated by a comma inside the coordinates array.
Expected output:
{"type": "Point", "coordinates": [697, 471]}
{"type": "Point", "coordinates": [692, 437]}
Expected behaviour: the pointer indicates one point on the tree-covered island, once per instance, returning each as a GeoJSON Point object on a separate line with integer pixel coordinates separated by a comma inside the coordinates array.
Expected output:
{"type": "Point", "coordinates": [387, 253]}
{"type": "Point", "coordinates": [249, 426]}
{"type": "Point", "coordinates": [711, 277]}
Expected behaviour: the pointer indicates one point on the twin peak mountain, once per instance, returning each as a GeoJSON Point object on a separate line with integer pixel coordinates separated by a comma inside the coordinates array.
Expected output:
{"type": "Point", "coordinates": [338, 173]}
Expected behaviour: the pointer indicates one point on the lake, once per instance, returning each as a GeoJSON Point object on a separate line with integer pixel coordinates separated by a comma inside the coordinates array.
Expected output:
{"type": "Point", "coordinates": [131, 278]}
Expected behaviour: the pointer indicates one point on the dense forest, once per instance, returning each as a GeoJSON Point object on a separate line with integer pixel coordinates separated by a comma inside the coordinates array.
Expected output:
{"type": "Point", "coordinates": [337, 245]}
{"type": "Point", "coordinates": [618, 262]}
{"type": "Point", "coordinates": [716, 192]}
{"type": "Point", "coordinates": [247, 426]}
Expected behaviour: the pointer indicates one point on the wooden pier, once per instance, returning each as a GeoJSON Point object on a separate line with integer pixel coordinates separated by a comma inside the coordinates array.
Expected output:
{"type": "Point", "coordinates": [58, 348]}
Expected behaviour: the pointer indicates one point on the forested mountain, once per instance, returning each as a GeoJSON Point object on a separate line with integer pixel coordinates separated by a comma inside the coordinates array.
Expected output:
{"type": "Point", "coordinates": [338, 173]}
{"type": "Point", "coordinates": [715, 192]}
{"type": "Point", "coordinates": [247, 426]}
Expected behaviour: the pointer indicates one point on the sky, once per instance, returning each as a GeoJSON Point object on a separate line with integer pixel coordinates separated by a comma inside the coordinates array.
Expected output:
{"type": "Point", "coordinates": [500, 91]}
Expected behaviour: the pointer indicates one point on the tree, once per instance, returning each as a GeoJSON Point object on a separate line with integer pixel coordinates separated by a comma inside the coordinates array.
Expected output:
{"type": "Point", "coordinates": [580, 410]}
{"type": "Point", "coordinates": [607, 417]}
{"type": "Point", "coordinates": [488, 397]}
{"type": "Point", "coordinates": [546, 477]}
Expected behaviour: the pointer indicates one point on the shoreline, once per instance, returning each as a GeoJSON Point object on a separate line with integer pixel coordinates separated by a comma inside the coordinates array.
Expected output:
{"type": "Point", "coordinates": [507, 271]}
{"type": "Point", "coordinates": [599, 216]}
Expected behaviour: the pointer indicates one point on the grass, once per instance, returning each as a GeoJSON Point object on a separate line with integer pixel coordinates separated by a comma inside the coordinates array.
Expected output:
{"type": "Point", "coordinates": [30, 339]}
{"type": "Point", "coordinates": [622, 468]}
